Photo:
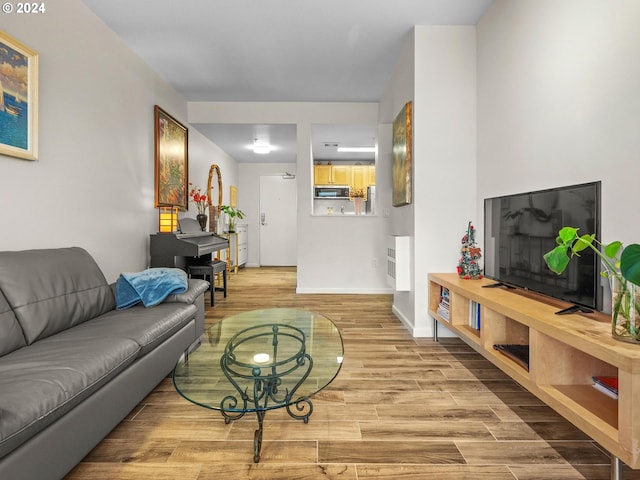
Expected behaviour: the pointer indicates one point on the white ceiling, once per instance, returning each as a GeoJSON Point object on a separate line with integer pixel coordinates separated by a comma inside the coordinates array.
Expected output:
{"type": "Point", "coordinates": [275, 50]}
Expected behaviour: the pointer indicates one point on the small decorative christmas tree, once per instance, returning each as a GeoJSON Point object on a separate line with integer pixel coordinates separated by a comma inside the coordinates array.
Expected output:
{"type": "Point", "coordinates": [469, 266]}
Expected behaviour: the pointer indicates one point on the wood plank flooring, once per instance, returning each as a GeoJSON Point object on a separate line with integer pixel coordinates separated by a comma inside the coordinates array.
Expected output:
{"type": "Point", "coordinates": [400, 408]}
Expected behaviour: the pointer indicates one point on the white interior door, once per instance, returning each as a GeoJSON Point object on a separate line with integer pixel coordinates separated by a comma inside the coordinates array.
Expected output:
{"type": "Point", "coordinates": [278, 221]}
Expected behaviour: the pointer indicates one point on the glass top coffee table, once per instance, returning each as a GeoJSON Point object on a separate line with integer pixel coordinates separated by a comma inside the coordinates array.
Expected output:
{"type": "Point", "coordinates": [261, 360]}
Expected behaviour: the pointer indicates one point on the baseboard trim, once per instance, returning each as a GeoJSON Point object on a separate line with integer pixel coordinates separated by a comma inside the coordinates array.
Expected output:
{"type": "Point", "coordinates": [418, 332]}
{"type": "Point", "coordinates": [358, 291]}
{"type": "Point", "coordinates": [403, 319]}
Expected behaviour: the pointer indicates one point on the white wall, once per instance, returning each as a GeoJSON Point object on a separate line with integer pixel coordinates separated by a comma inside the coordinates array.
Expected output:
{"type": "Point", "coordinates": [445, 145]}
{"type": "Point", "coordinates": [334, 254]}
{"type": "Point", "coordinates": [203, 154]}
{"type": "Point", "coordinates": [559, 102]}
{"type": "Point", "coordinates": [439, 65]}
{"type": "Point", "coordinates": [93, 185]}
{"type": "Point", "coordinates": [401, 89]}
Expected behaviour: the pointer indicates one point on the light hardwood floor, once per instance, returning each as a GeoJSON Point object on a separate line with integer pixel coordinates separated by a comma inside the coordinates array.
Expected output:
{"type": "Point", "coordinates": [400, 408]}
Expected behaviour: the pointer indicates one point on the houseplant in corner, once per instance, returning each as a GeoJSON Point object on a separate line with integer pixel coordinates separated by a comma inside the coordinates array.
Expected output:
{"type": "Point", "coordinates": [232, 213]}
{"type": "Point", "coordinates": [621, 265]}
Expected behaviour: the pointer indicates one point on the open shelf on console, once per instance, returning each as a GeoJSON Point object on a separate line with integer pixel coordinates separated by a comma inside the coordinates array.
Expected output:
{"type": "Point", "coordinates": [565, 353]}
{"type": "Point", "coordinates": [592, 401]}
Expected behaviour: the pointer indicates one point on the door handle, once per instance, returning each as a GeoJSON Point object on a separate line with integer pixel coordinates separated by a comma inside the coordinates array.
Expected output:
{"type": "Point", "coordinates": [262, 219]}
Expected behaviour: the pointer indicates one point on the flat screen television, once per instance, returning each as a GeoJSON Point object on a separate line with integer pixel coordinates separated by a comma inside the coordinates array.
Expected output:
{"type": "Point", "coordinates": [519, 229]}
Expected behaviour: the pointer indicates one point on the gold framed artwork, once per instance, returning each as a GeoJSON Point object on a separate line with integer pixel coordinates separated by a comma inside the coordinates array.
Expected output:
{"type": "Point", "coordinates": [18, 99]}
{"type": "Point", "coordinates": [402, 161]}
{"type": "Point", "coordinates": [233, 196]}
{"type": "Point", "coordinates": [171, 161]}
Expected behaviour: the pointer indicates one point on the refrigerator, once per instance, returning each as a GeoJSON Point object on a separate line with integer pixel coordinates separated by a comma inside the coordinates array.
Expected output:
{"type": "Point", "coordinates": [370, 204]}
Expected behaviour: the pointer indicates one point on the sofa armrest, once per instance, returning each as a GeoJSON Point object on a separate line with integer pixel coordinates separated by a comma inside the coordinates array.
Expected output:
{"type": "Point", "coordinates": [195, 288]}
{"type": "Point", "coordinates": [194, 294]}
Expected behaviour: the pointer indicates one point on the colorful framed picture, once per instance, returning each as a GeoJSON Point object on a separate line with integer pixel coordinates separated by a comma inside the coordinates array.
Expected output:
{"type": "Point", "coordinates": [402, 161]}
{"type": "Point", "coordinates": [172, 161]}
{"type": "Point", "coordinates": [18, 99]}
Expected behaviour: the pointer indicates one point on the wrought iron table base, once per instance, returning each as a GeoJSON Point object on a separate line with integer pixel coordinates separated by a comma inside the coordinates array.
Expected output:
{"type": "Point", "coordinates": [266, 386]}
{"type": "Point", "coordinates": [260, 414]}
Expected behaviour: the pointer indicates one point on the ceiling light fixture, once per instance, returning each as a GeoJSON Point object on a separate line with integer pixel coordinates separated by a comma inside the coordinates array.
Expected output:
{"type": "Point", "coordinates": [357, 149]}
{"type": "Point", "coordinates": [261, 148]}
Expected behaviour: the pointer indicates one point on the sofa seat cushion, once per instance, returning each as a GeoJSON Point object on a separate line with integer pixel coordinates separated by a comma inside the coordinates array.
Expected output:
{"type": "Point", "coordinates": [41, 382]}
{"type": "Point", "coordinates": [148, 327]}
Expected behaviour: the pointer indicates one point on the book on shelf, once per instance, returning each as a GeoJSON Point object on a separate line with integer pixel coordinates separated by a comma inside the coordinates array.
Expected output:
{"type": "Point", "coordinates": [474, 315]}
{"type": "Point", "coordinates": [607, 385]}
{"type": "Point", "coordinates": [443, 306]}
{"type": "Point", "coordinates": [443, 312]}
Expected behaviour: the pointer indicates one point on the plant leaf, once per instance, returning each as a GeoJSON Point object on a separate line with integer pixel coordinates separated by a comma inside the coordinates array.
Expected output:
{"type": "Point", "coordinates": [557, 259]}
{"type": "Point", "coordinates": [583, 242]}
{"type": "Point", "coordinates": [567, 234]}
{"type": "Point", "coordinates": [630, 263]}
{"type": "Point", "coordinates": [612, 249]}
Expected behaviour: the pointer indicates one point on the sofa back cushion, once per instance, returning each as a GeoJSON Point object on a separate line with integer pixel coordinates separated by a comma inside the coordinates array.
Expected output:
{"type": "Point", "coordinates": [51, 290]}
{"type": "Point", "coordinates": [11, 337]}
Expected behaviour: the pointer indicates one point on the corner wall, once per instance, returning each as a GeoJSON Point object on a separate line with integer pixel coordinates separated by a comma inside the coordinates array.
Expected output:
{"type": "Point", "coordinates": [437, 72]}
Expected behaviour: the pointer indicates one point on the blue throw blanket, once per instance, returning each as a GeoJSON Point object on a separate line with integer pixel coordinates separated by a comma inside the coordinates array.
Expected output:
{"type": "Point", "coordinates": [150, 286]}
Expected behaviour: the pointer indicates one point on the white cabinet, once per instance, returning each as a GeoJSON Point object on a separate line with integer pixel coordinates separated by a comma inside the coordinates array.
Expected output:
{"type": "Point", "coordinates": [238, 247]}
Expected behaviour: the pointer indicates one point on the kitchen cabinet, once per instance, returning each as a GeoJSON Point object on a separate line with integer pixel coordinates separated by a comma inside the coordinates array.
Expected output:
{"type": "Point", "coordinates": [341, 174]}
{"type": "Point", "coordinates": [332, 174]}
{"type": "Point", "coordinates": [362, 176]}
{"type": "Point", "coordinates": [371, 174]}
{"type": "Point", "coordinates": [322, 174]}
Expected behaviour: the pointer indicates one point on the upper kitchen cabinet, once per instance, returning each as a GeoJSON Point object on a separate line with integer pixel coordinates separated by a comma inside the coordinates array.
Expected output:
{"type": "Point", "coordinates": [332, 174]}
{"type": "Point", "coordinates": [363, 176]}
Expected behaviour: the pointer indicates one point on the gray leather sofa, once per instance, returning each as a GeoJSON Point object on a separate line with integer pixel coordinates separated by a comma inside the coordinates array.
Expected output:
{"type": "Point", "coordinates": [72, 366]}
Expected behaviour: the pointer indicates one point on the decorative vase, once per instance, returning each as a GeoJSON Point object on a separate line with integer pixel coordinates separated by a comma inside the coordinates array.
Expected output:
{"type": "Point", "coordinates": [625, 310]}
{"type": "Point", "coordinates": [232, 227]}
{"type": "Point", "coordinates": [202, 220]}
{"type": "Point", "coordinates": [357, 204]}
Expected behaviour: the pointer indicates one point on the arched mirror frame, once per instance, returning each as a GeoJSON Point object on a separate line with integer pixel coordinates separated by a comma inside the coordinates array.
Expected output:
{"type": "Point", "coordinates": [214, 210]}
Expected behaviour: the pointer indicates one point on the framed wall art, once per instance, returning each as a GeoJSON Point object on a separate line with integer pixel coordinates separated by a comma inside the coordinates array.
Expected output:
{"type": "Point", "coordinates": [18, 99]}
{"type": "Point", "coordinates": [402, 161]}
{"type": "Point", "coordinates": [233, 196]}
{"type": "Point", "coordinates": [172, 161]}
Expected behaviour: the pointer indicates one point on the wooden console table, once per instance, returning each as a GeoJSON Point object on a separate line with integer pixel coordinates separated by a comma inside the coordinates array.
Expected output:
{"type": "Point", "coordinates": [565, 352]}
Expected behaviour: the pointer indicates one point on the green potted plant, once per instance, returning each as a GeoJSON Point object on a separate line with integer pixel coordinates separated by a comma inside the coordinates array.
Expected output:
{"type": "Point", "coordinates": [621, 267]}
{"type": "Point", "coordinates": [232, 213]}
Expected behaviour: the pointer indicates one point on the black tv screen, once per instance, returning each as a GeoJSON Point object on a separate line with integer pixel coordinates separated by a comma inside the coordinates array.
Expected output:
{"type": "Point", "coordinates": [519, 229]}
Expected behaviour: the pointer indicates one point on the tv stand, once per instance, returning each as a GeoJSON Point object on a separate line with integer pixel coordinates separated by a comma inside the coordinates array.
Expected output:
{"type": "Point", "coordinates": [574, 309]}
{"type": "Point", "coordinates": [563, 357]}
{"type": "Point", "coordinates": [499, 284]}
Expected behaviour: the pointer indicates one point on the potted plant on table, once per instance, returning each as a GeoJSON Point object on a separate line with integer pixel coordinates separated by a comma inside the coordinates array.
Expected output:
{"type": "Point", "coordinates": [621, 267]}
{"type": "Point", "coordinates": [232, 213]}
